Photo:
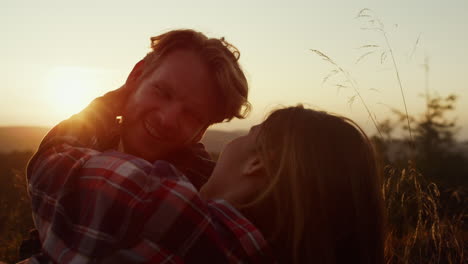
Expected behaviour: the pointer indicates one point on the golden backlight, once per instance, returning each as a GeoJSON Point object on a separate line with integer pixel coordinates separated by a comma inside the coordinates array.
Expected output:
{"type": "Point", "coordinates": [70, 90]}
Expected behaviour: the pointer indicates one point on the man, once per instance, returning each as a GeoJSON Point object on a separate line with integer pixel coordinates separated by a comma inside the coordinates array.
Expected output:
{"type": "Point", "coordinates": [87, 198]}
{"type": "Point", "coordinates": [187, 83]}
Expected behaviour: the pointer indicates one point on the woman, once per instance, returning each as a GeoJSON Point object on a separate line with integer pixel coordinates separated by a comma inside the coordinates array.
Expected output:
{"type": "Point", "coordinates": [302, 187]}
{"type": "Point", "coordinates": [310, 182]}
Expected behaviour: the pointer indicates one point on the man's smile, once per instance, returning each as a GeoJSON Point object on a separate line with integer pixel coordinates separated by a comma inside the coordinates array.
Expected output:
{"type": "Point", "coordinates": [152, 131]}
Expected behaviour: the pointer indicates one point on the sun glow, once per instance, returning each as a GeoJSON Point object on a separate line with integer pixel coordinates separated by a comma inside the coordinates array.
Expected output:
{"type": "Point", "coordinates": [71, 89]}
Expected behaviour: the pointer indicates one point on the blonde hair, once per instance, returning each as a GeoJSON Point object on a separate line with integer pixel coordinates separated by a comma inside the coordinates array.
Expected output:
{"type": "Point", "coordinates": [221, 58]}
{"type": "Point", "coordinates": [323, 190]}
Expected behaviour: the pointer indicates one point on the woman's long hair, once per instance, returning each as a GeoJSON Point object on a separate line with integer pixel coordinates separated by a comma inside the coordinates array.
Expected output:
{"type": "Point", "coordinates": [323, 192]}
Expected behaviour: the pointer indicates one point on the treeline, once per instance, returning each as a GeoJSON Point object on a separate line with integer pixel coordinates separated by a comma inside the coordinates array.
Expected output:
{"type": "Point", "coordinates": [431, 147]}
{"type": "Point", "coordinates": [426, 186]}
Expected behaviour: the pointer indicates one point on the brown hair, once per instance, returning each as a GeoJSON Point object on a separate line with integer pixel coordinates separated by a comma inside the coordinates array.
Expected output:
{"type": "Point", "coordinates": [323, 190]}
{"type": "Point", "coordinates": [219, 55]}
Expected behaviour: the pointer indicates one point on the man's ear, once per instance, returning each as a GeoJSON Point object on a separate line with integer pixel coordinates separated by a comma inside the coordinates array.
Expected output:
{"type": "Point", "coordinates": [253, 166]}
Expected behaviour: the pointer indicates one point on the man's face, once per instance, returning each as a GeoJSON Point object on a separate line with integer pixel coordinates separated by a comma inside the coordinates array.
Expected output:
{"type": "Point", "coordinates": [171, 108]}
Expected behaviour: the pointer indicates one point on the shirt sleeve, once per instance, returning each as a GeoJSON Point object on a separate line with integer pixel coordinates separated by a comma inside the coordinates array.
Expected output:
{"type": "Point", "coordinates": [90, 205]}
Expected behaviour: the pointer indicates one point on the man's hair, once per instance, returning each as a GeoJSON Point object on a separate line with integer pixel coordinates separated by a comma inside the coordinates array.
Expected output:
{"type": "Point", "coordinates": [221, 58]}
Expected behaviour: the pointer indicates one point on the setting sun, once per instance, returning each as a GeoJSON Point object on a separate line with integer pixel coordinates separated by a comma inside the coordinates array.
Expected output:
{"type": "Point", "coordinates": [71, 89]}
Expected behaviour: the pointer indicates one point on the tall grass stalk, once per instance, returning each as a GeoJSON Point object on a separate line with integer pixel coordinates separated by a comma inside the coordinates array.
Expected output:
{"type": "Point", "coordinates": [373, 20]}
{"type": "Point", "coordinates": [351, 82]}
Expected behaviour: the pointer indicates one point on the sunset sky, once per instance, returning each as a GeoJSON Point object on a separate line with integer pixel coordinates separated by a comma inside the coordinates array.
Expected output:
{"type": "Point", "coordinates": [56, 56]}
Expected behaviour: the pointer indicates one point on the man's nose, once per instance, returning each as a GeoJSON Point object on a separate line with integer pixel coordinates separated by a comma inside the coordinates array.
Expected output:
{"type": "Point", "coordinates": [170, 117]}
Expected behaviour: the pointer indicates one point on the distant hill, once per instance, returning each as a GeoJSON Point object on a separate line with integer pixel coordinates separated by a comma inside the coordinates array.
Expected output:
{"type": "Point", "coordinates": [215, 140]}
{"type": "Point", "coordinates": [21, 138]}
{"type": "Point", "coordinates": [28, 138]}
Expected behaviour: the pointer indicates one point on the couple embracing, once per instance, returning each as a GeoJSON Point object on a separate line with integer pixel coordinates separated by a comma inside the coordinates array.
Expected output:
{"type": "Point", "coordinates": [301, 187]}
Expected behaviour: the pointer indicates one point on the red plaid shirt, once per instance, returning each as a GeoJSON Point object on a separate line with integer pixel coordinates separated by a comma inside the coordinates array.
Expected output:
{"type": "Point", "coordinates": [94, 204]}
